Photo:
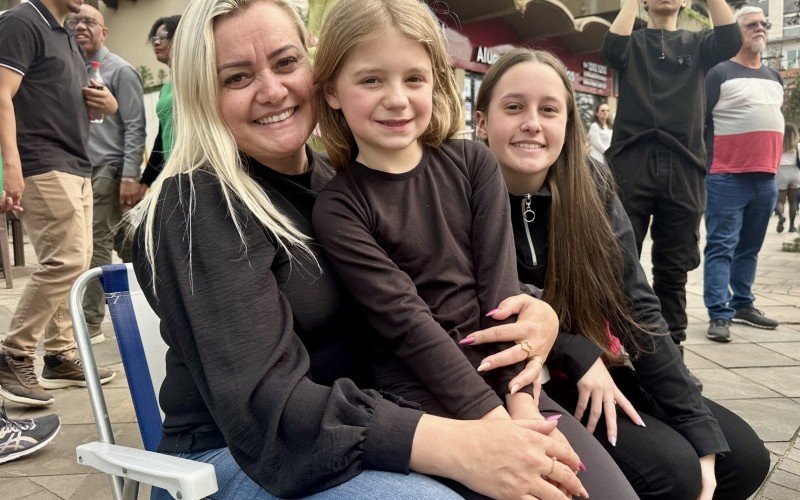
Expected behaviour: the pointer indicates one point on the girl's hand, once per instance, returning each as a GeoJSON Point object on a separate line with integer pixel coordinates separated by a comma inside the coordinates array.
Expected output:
{"type": "Point", "coordinates": [709, 479]}
{"type": "Point", "coordinates": [597, 386]}
{"type": "Point", "coordinates": [498, 458]}
{"type": "Point", "coordinates": [536, 325]}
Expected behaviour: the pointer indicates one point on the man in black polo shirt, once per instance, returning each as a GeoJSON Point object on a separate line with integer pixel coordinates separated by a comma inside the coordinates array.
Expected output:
{"type": "Point", "coordinates": [44, 128]}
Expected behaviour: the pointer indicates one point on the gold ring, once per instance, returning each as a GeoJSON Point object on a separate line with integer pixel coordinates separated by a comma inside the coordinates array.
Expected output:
{"type": "Point", "coordinates": [538, 359]}
{"type": "Point", "coordinates": [552, 468]}
{"type": "Point", "coordinates": [526, 346]}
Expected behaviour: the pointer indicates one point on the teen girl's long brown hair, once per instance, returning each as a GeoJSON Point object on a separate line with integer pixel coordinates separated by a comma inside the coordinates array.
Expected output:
{"type": "Point", "coordinates": [584, 276]}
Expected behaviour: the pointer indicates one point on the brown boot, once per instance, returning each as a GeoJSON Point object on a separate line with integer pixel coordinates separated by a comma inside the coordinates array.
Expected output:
{"type": "Point", "coordinates": [18, 382]}
{"type": "Point", "coordinates": [65, 369]}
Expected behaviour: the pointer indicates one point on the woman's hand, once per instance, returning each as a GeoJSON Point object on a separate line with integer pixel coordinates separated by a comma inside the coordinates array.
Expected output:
{"type": "Point", "coordinates": [498, 458]}
{"type": "Point", "coordinates": [598, 388]}
{"type": "Point", "coordinates": [709, 479]}
{"type": "Point", "coordinates": [536, 325]}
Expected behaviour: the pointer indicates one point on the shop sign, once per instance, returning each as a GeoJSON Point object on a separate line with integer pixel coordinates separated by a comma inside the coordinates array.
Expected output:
{"type": "Point", "coordinates": [486, 55]}
{"type": "Point", "coordinates": [593, 78]}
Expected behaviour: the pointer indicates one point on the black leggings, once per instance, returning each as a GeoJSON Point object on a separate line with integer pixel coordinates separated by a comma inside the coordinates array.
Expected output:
{"type": "Point", "coordinates": [659, 462]}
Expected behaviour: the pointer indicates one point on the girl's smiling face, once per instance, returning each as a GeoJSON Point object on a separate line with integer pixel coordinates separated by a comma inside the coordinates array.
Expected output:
{"type": "Point", "coordinates": [525, 124]}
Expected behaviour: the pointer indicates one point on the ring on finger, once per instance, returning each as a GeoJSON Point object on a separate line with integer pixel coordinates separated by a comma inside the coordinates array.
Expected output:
{"type": "Point", "coordinates": [538, 359]}
{"type": "Point", "coordinates": [612, 401]}
{"type": "Point", "coordinates": [527, 347]}
{"type": "Point", "coordinates": [552, 467]}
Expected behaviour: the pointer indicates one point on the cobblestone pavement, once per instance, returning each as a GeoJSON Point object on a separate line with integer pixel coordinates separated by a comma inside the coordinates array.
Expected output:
{"type": "Point", "coordinates": [757, 375]}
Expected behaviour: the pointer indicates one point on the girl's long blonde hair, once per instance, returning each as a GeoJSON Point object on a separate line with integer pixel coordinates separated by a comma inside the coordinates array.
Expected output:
{"type": "Point", "coordinates": [583, 287]}
{"type": "Point", "coordinates": [353, 22]}
{"type": "Point", "coordinates": [202, 140]}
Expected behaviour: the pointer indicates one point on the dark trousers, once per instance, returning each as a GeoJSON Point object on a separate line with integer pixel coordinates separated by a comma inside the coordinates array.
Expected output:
{"type": "Point", "coordinates": [663, 190]}
{"type": "Point", "coordinates": [658, 461]}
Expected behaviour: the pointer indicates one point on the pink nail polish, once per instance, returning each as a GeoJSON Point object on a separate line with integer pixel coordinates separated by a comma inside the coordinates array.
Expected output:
{"type": "Point", "coordinates": [613, 440]}
{"type": "Point", "coordinates": [495, 310]}
{"type": "Point", "coordinates": [641, 423]}
{"type": "Point", "coordinates": [581, 466]}
{"type": "Point", "coordinates": [467, 341]}
{"type": "Point", "coordinates": [554, 417]}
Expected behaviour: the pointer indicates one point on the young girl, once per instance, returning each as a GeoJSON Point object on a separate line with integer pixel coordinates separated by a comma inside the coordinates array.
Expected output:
{"type": "Point", "coordinates": [788, 178]}
{"type": "Point", "coordinates": [416, 225]}
{"type": "Point", "coordinates": [588, 267]}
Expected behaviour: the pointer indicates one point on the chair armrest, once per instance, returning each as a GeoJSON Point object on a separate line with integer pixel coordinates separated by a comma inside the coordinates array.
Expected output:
{"type": "Point", "coordinates": [182, 478]}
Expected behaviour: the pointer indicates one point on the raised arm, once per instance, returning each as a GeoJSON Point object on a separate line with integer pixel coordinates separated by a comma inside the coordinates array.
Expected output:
{"type": "Point", "coordinates": [626, 17]}
{"type": "Point", "coordinates": [720, 12]}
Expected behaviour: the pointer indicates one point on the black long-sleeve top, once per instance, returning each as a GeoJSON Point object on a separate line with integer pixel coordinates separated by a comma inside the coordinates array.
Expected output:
{"type": "Point", "coordinates": [662, 85]}
{"type": "Point", "coordinates": [427, 254]}
{"type": "Point", "coordinates": [659, 367]}
{"type": "Point", "coordinates": [259, 346]}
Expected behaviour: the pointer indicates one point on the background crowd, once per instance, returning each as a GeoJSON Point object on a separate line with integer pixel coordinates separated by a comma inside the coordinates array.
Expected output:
{"type": "Point", "coordinates": [698, 134]}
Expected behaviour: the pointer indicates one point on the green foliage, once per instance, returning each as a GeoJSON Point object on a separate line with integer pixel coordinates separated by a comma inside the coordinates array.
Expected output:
{"type": "Point", "coordinates": [791, 109]}
{"type": "Point", "coordinates": [148, 82]}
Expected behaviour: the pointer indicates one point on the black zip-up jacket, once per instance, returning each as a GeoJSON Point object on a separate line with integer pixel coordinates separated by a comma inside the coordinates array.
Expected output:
{"type": "Point", "coordinates": [659, 367]}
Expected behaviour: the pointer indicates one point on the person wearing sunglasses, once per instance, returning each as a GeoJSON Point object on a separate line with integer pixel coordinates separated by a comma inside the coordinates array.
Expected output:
{"type": "Point", "coordinates": [160, 37]}
{"type": "Point", "coordinates": [744, 137]}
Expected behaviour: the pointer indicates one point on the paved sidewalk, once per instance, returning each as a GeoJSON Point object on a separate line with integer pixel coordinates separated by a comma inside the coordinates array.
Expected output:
{"type": "Point", "coordinates": [757, 375]}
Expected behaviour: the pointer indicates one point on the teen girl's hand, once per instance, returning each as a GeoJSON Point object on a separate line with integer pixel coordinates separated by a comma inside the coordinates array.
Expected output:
{"type": "Point", "coordinates": [597, 388]}
{"type": "Point", "coordinates": [534, 332]}
{"type": "Point", "coordinates": [709, 479]}
{"type": "Point", "coordinates": [498, 458]}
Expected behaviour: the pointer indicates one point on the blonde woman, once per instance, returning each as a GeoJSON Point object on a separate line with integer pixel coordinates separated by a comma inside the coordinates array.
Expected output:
{"type": "Point", "coordinates": [267, 353]}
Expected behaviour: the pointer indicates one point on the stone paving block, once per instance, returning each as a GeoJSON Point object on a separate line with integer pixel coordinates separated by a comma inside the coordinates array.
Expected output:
{"type": "Point", "coordinates": [783, 334]}
{"type": "Point", "coordinates": [696, 362]}
{"type": "Point", "coordinates": [62, 486]}
{"type": "Point", "coordinates": [791, 349]}
{"type": "Point", "coordinates": [19, 488]}
{"type": "Point", "coordinates": [57, 458]}
{"type": "Point", "coordinates": [778, 447]}
{"type": "Point", "coordinates": [790, 466]}
{"type": "Point", "coordinates": [773, 419]}
{"type": "Point", "coordinates": [742, 355]}
{"type": "Point", "coordinates": [776, 492]}
{"type": "Point", "coordinates": [794, 454]}
{"type": "Point", "coordinates": [786, 479]}
{"type": "Point", "coordinates": [721, 384]}
{"type": "Point", "coordinates": [94, 486]}
{"type": "Point", "coordinates": [780, 379]}
{"type": "Point", "coordinates": [73, 406]}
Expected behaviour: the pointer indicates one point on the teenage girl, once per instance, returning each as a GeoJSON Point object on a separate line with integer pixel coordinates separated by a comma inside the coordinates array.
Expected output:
{"type": "Point", "coordinates": [574, 240]}
{"type": "Point", "coordinates": [788, 178]}
{"type": "Point", "coordinates": [419, 225]}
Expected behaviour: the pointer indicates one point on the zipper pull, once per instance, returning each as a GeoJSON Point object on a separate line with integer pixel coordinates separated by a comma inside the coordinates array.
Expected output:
{"type": "Point", "coordinates": [527, 214]}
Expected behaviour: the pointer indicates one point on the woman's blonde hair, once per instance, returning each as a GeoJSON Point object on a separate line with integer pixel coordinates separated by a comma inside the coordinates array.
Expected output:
{"type": "Point", "coordinates": [583, 287]}
{"type": "Point", "coordinates": [353, 22]}
{"type": "Point", "coordinates": [203, 141]}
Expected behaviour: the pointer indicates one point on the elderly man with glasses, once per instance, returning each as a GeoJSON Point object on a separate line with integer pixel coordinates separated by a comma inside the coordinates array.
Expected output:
{"type": "Point", "coordinates": [744, 138]}
{"type": "Point", "coordinates": [116, 152]}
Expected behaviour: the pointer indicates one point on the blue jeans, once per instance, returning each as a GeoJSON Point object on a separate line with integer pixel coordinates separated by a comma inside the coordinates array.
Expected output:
{"type": "Point", "coordinates": [234, 484]}
{"type": "Point", "coordinates": [738, 210]}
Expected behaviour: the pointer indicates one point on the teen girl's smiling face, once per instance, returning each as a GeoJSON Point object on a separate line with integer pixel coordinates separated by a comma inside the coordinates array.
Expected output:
{"type": "Point", "coordinates": [385, 91]}
{"type": "Point", "coordinates": [525, 124]}
{"type": "Point", "coordinates": [265, 81]}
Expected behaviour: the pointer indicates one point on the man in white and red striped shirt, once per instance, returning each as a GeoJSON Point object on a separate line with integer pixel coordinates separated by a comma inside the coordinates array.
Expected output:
{"type": "Point", "coordinates": [744, 136]}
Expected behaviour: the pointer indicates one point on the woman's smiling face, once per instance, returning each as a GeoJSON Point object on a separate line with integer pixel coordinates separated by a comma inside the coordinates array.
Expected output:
{"type": "Point", "coordinates": [265, 82]}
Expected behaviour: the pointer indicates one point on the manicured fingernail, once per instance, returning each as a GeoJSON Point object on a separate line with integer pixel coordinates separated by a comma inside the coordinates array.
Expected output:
{"type": "Point", "coordinates": [484, 366]}
{"type": "Point", "coordinates": [553, 417]}
{"type": "Point", "coordinates": [641, 423]}
{"type": "Point", "coordinates": [514, 388]}
{"type": "Point", "coordinates": [467, 341]}
{"type": "Point", "coordinates": [581, 466]}
{"type": "Point", "coordinates": [495, 310]}
{"type": "Point", "coordinates": [613, 440]}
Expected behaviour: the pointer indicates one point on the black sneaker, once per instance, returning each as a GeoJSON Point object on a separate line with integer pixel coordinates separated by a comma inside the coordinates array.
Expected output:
{"type": "Point", "coordinates": [18, 382]}
{"type": "Point", "coordinates": [22, 437]}
{"type": "Point", "coordinates": [753, 317]}
{"type": "Point", "coordinates": [792, 229]}
{"type": "Point", "coordinates": [781, 222]}
{"type": "Point", "coordinates": [65, 369]}
{"type": "Point", "coordinates": [719, 330]}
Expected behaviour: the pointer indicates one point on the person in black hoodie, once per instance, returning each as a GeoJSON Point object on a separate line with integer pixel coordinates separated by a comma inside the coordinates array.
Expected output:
{"type": "Point", "coordinates": [574, 241]}
{"type": "Point", "coordinates": [657, 152]}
